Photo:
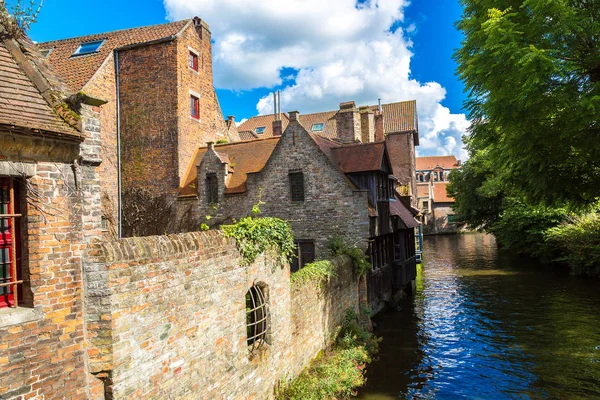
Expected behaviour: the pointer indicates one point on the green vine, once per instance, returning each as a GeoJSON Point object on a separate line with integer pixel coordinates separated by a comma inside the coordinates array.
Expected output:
{"type": "Point", "coordinates": [318, 271]}
{"type": "Point", "coordinates": [254, 235]}
{"type": "Point", "coordinates": [360, 261]}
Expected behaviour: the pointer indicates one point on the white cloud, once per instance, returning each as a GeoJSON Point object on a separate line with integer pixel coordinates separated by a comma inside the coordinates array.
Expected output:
{"type": "Point", "coordinates": [342, 50]}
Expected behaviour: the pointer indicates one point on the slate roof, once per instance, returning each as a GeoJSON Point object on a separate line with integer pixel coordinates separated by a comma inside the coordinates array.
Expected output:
{"type": "Point", "coordinates": [243, 158]}
{"type": "Point", "coordinates": [429, 163]}
{"type": "Point", "coordinates": [400, 210]}
{"type": "Point", "coordinates": [76, 71]}
{"type": "Point", "coordinates": [23, 77]}
{"type": "Point", "coordinates": [439, 193]}
{"type": "Point", "coordinates": [398, 117]}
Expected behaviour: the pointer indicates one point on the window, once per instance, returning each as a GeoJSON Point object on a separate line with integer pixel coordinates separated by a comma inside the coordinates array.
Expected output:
{"type": "Point", "coordinates": [435, 176]}
{"type": "Point", "coordinates": [10, 249]}
{"type": "Point", "coordinates": [297, 186]}
{"type": "Point", "coordinates": [317, 127]}
{"type": "Point", "coordinates": [305, 254]}
{"type": "Point", "coordinates": [451, 219]}
{"type": "Point", "coordinates": [426, 206]}
{"type": "Point", "coordinates": [194, 107]}
{"type": "Point", "coordinates": [257, 317]}
{"type": "Point", "coordinates": [46, 52]}
{"type": "Point", "coordinates": [193, 61]}
{"type": "Point", "coordinates": [260, 129]}
{"type": "Point", "coordinates": [441, 175]}
{"type": "Point", "coordinates": [212, 189]}
{"type": "Point", "coordinates": [88, 47]}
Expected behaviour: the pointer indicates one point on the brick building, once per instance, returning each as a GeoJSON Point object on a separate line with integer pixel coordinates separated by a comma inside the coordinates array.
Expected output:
{"type": "Point", "coordinates": [161, 106]}
{"type": "Point", "coordinates": [50, 208]}
{"type": "Point", "coordinates": [395, 123]}
{"type": "Point", "coordinates": [324, 188]}
{"type": "Point", "coordinates": [433, 201]}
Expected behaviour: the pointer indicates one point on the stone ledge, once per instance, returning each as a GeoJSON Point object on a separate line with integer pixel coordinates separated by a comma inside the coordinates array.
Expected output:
{"type": "Point", "coordinates": [19, 315]}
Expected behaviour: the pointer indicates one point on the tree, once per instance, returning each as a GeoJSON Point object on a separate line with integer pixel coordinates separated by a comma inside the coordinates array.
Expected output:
{"type": "Point", "coordinates": [532, 70]}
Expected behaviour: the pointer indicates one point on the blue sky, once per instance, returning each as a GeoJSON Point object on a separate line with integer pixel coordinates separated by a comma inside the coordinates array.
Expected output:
{"type": "Point", "coordinates": [287, 45]}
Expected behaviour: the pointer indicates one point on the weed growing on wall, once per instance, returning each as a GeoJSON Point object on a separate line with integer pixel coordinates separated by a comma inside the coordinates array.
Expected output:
{"type": "Point", "coordinates": [254, 235]}
{"type": "Point", "coordinates": [360, 261]}
{"type": "Point", "coordinates": [318, 272]}
{"type": "Point", "coordinates": [340, 371]}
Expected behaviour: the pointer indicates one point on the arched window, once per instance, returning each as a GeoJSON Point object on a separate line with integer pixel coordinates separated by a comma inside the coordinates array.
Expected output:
{"type": "Point", "coordinates": [257, 317]}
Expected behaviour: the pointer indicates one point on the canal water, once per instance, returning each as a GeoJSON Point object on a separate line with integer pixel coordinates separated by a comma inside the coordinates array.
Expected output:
{"type": "Point", "coordinates": [484, 324]}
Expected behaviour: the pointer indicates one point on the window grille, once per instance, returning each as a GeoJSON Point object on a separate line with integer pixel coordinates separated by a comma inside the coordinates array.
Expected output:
{"type": "Point", "coordinates": [212, 189]}
{"type": "Point", "coordinates": [257, 314]}
{"type": "Point", "coordinates": [297, 186]}
{"type": "Point", "coordinates": [9, 272]}
{"type": "Point", "coordinates": [305, 254]}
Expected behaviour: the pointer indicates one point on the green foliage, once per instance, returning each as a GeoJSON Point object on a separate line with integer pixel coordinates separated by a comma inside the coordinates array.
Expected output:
{"type": "Point", "coordinates": [18, 19]}
{"type": "Point", "coordinates": [204, 227]}
{"type": "Point", "coordinates": [318, 272]}
{"type": "Point", "coordinates": [254, 235]}
{"type": "Point", "coordinates": [337, 246]}
{"type": "Point", "coordinates": [579, 238]}
{"type": "Point", "coordinates": [338, 373]}
{"type": "Point", "coordinates": [222, 141]}
{"type": "Point", "coordinates": [532, 70]}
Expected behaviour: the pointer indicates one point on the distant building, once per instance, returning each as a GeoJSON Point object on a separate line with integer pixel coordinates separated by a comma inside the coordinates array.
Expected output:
{"type": "Point", "coordinates": [162, 105]}
{"type": "Point", "coordinates": [433, 201]}
{"type": "Point", "coordinates": [324, 188]}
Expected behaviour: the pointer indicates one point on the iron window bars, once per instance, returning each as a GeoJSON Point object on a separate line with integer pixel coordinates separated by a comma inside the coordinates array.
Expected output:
{"type": "Point", "coordinates": [256, 318]}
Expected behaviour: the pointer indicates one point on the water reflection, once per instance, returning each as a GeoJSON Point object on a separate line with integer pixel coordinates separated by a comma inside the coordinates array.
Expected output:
{"type": "Point", "coordinates": [485, 324]}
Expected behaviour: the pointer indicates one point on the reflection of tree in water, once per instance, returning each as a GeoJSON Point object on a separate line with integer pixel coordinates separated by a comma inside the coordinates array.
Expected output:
{"type": "Point", "coordinates": [489, 324]}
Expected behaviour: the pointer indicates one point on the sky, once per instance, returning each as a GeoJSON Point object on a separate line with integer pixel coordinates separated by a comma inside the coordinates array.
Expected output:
{"type": "Point", "coordinates": [318, 53]}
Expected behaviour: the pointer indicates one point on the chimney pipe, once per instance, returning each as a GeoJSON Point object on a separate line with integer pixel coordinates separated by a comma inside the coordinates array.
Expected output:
{"type": "Point", "coordinates": [278, 104]}
{"type": "Point", "coordinates": [274, 105]}
{"type": "Point", "coordinates": [379, 101]}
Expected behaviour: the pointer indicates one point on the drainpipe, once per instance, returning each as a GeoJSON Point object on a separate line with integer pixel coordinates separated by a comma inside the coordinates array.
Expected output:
{"type": "Point", "coordinates": [119, 194]}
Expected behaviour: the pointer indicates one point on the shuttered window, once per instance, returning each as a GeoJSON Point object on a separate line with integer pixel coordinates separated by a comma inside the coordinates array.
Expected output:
{"type": "Point", "coordinates": [10, 270]}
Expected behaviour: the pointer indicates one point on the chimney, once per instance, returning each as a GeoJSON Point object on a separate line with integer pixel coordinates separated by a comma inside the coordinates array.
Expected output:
{"type": "Point", "coordinates": [379, 135]}
{"type": "Point", "coordinates": [348, 123]}
{"type": "Point", "coordinates": [367, 124]}
{"type": "Point", "coordinates": [294, 116]}
{"type": "Point", "coordinates": [277, 127]}
{"type": "Point", "coordinates": [230, 121]}
{"type": "Point", "coordinates": [202, 29]}
{"type": "Point", "coordinates": [211, 145]}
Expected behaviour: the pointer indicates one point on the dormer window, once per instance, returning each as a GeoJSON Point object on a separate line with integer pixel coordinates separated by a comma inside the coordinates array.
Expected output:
{"type": "Point", "coordinates": [260, 129]}
{"type": "Point", "coordinates": [193, 60]}
{"type": "Point", "coordinates": [46, 52]}
{"type": "Point", "coordinates": [88, 47]}
{"type": "Point", "coordinates": [317, 127]}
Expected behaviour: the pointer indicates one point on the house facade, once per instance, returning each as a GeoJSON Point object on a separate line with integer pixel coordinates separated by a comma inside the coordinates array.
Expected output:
{"type": "Point", "coordinates": [326, 190]}
{"type": "Point", "coordinates": [50, 210]}
{"type": "Point", "coordinates": [161, 106]}
{"type": "Point", "coordinates": [433, 201]}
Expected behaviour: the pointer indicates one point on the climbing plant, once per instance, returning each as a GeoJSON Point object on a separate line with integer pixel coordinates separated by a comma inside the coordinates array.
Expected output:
{"type": "Point", "coordinates": [360, 261]}
{"type": "Point", "coordinates": [317, 272]}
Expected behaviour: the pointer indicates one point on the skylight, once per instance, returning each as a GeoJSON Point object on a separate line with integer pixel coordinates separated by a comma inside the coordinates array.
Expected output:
{"type": "Point", "coordinates": [88, 47]}
{"type": "Point", "coordinates": [260, 129]}
{"type": "Point", "coordinates": [46, 52]}
{"type": "Point", "coordinates": [317, 127]}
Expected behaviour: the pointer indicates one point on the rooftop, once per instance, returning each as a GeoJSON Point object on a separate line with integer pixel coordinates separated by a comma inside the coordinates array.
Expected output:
{"type": "Point", "coordinates": [431, 162]}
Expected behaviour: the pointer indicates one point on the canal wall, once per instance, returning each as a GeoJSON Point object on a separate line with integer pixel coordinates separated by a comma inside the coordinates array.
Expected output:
{"type": "Point", "coordinates": [166, 318]}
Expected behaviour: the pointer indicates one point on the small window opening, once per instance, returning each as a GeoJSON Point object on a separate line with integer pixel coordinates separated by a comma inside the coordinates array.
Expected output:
{"type": "Point", "coordinates": [11, 275]}
{"type": "Point", "coordinates": [257, 315]}
{"type": "Point", "coordinates": [297, 186]}
{"type": "Point", "coordinates": [305, 254]}
{"type": "Point", "coordinates": [46, 52]}
{"type": "Point", "coordinates": [193, 61]}
{"type": "Point", "coordinates": [260, 129]}
{"type": "Point", "coordinates": [88, 47]}
{"type": "Point", "coordinates": [212, 189]}
{"type": "Point", "coordinates": [317, 127]}
{"type": "Point", "coordinates": [194, 107]}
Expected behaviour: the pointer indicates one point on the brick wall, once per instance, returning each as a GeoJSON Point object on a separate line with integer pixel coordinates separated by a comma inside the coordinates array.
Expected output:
{"type": "Point", "coordinates": [166, 318]}
{"type": "Point", "coordinates": [331, 206]}
{"type": "Point", "coordinates": [42, 350]}
{"type": "Point", "coordinates": [402, 157]}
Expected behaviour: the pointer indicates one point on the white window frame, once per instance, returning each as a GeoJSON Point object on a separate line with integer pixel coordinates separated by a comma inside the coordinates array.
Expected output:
{"type": "Point", "coordinates": [322, 124]}
{"type": "Point", "coordinates": [79, 53]}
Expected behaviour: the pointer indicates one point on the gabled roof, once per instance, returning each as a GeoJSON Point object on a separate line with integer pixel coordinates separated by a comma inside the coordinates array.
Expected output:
{"type": "Point", "coordinates": [439, 193]}
{"type": "Point", "coordinates": [430, 162]}
{"type": "Point", "coordinates": [360, 157]}
{"type": "Point", "coordinates": [29, 96]}
{"type": "Point", "coordinates": [243, 158]}
{"type": "Point", "coordinates": [399, 209]}
{"type": "Point", "coordinates": [398, 117]}
{"type": "Point", "coordinates": [248, 127]}
{"type": "Point", "coordinates": [76, 71]}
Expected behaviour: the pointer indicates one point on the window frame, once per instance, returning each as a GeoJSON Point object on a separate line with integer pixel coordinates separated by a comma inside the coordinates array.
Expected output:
{"type": "Point", "coordinates": [78, 51]}
{"type": "Point", "coordinates": [257, 317]}
{"type": "Point", "coordinates": [295, 194]}
{"type": "Point", "coordinates": [194, 56]}
{"type": "Point", "coordinates": [10, 211]}
{"type": "Point", "coordinates": [321, 124]}
{"type": "Point", "coordinates": [195, 106]}
{"type": "Point", "coordinates": [212, 193]}
{"type": "Point", "coordinates": [262, 130]}
{"type": "Point", "coordinates": [302, 257]}
{"type": "Point", "coordinates": [451, 218]}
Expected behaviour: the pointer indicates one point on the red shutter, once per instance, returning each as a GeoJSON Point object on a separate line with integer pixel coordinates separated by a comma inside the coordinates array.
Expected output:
{"type": "Point", "coordinates": [8, 245]}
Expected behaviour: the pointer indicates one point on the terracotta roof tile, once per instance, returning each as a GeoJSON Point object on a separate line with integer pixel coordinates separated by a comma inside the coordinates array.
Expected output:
{"type": "Point", "coordinates": [76, 71]}
{"type": "Point", "coordinates": [398, 209]}
{"type": "Point", "coordinates": [21, 102]}
{"type": "Point", "coordinates": [244, 158]}
{"type": "Point", "coordinates": [429, 163]}
{"type": "Point", "coordinates": [249, 126]}
{"type": "Point", "coordinates": [423, 190]}
{"type": "Point", "coordinates": [439, 193]}
{"type": "Point", "coordinates": [360, 157]}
